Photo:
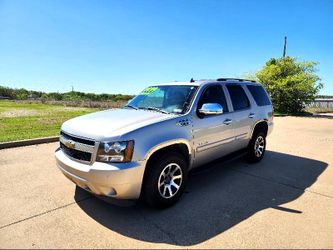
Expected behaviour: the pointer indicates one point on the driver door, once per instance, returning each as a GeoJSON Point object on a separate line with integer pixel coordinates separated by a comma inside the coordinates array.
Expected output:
{"type": "Point", "coordinates": [213, 135]}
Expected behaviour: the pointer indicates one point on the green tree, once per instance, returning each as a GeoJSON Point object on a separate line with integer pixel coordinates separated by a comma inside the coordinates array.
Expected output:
{"type": "Point", "coordinates": [291, 83]}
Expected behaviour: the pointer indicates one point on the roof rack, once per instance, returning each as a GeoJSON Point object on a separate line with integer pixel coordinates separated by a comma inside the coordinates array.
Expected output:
{"type": "Point", "coordinates": [234, 79]}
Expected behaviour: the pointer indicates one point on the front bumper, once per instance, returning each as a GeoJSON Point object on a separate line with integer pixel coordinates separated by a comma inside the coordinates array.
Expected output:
{"type": "Point", "coordinates": [116, 180]}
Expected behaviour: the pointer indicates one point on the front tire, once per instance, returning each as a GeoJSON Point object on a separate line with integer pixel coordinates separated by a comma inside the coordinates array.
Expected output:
{"type": "Point", "coordinates": [257, 147]}
{"type": "Point", "coordinates": [165, 180]}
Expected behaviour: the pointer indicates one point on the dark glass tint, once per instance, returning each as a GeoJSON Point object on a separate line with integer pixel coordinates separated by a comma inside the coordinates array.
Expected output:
{"type": "Point", "coordinates": [238, 97]}
{"type": "Point", "coordinates": [214, 94]}
{"type": "Point", "coordinates": [259, 95]}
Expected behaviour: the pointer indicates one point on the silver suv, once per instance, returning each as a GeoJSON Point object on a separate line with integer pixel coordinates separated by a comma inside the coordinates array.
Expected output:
{"type": "Point", "coordinates": [147, 148]}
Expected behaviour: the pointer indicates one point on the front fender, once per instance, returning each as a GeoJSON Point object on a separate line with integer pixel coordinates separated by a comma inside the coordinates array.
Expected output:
{"type": "Point", "coordinates": [156, 136]}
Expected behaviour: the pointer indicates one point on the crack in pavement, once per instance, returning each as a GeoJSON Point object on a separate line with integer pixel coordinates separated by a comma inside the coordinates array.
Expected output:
{"type": "Point", "coordinates": [170, 235]}
{"type": "Point", "coordinates": [46, 212]}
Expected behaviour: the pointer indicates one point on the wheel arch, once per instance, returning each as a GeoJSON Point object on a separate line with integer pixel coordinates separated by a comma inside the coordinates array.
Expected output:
{"type": "Point", "coordinates": [181, 146]}
{"type": "Point", "coordinates": [261, 124]}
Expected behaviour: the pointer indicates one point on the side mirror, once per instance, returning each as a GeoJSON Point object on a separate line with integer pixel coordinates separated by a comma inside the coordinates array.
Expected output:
{"type": "Point", "coordinates": [211, 109]}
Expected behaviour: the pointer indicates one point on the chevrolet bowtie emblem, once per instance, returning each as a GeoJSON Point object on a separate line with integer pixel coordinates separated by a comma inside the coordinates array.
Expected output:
{"type": "Point", "coordinates": [69, 144]}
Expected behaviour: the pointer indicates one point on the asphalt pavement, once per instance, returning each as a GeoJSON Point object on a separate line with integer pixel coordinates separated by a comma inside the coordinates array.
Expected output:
{"type": "Point", "coordinates": [285, 201]}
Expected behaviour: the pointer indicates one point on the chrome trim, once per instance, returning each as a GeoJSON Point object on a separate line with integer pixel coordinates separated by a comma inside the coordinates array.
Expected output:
{"type": "Point", "coordinates": [81, 147]}
{"type": "Point", "coordinates": [77, 136]}
{"type": "Point", "coordinates": [241, 136]}
{"type": "Point", "coordinates": [215, 144]}
{"type": "Point", "coordinates": [77, 145]}
{"type": "Point", "coordinates": [227, 121]}
{"type": "Point", "coordinates": [94, 154]}
{"type": "Point", "coordinates": [211, 109]}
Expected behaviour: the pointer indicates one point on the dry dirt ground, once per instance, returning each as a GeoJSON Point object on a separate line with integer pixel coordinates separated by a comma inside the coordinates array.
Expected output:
{"type": "Point", "coordinates": [286, 201]}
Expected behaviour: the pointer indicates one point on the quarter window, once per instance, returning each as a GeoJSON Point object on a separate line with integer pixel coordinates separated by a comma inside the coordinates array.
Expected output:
{"type": "Point", "coordinates": [238, 97]}
{"type": "Point", "coordinates": [259, 95]}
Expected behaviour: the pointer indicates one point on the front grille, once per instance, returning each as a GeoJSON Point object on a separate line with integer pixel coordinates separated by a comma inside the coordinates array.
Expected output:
{"type": "Point", "coordinates": [77, 148]}
{"type": "Point", "coordinates": [76, 154]}
{"type": "Point", "coordinates": [76, 139]}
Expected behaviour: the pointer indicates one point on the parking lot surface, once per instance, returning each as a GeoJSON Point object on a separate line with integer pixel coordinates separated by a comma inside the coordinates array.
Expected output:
{"type": "Point", "coordinates": [285, 201]}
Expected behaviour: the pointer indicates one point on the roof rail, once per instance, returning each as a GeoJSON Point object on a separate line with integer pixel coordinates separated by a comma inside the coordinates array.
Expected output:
{"type": "Point", "coordinates": [234, 79]}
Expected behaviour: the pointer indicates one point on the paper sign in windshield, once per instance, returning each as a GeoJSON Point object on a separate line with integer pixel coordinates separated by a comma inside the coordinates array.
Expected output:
{"type": "Point", "coordinates": [149, 90]}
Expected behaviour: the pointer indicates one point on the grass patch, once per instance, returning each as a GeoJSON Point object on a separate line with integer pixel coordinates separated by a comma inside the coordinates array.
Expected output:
{"type": "Point", "coordinates": [307, 112]}
{"type": "Point", "coordinates": [304, 113]}
{"type": "Point", "coordinates": [20, 121]}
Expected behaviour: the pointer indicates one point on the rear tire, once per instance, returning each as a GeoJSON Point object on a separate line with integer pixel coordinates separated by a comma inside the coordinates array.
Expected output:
{"type": "Point", "coordinates": [257, 147]}
{"type": "Point", "coordinates": [165, 180]}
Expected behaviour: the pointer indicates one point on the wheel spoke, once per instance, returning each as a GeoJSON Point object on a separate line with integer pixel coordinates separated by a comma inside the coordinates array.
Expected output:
{"type": "Point", "coordinates": [176, 177]}
{"type": "Point", "coordinates": [172, 183]}
{"type": "Point", "coordinates": [174, 171]}
{"type": "Point", "coordinates": [170, 190]}
{"type": "Point", "coordinates": [164, 190]}
{"type": "Point", "coordinates": [258, 153]}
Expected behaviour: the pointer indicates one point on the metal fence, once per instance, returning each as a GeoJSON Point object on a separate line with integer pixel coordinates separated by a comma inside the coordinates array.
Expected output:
{"type": "Point", "coordinates": [321, 103]}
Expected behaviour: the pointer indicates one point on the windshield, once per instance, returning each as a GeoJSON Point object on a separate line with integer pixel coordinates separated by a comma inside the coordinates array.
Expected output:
{"type": "Point", "coordinates": [166, 99]}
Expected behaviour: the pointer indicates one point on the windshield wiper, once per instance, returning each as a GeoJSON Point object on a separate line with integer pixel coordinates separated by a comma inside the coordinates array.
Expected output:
{"type": "Point", "coordinates": [131, 106]}
{"type": "Point", "coordinates": [156, 109]}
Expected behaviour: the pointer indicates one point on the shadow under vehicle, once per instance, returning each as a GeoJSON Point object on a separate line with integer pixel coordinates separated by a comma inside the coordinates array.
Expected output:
{"type": "Point", "coordinates": [219, 196]}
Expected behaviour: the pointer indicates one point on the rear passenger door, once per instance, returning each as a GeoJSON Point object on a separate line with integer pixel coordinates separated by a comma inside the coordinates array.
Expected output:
{"type": "Point", "coordinates": [242, 114]}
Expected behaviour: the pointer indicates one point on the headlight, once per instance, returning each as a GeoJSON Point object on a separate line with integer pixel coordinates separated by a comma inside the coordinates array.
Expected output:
{"type": "Point", "coordinates": [121, 151]}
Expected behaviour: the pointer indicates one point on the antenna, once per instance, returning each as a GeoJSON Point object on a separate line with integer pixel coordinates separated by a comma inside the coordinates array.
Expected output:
{"type": "Point", "coordinates": [191, 80]}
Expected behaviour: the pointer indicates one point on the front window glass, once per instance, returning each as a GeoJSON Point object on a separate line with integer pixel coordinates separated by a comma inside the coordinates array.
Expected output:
{"type": "Point", "coordinates": [214, 94]}
{"type": "Point", "coordinates": [168, 99]}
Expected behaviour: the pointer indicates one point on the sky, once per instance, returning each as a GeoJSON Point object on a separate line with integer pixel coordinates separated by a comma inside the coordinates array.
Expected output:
{"type": "Point", "coordinates": [123, 46]}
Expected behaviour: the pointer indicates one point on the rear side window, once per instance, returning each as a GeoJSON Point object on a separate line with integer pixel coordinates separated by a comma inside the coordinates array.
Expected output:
{"type": "Point", "coordinates": [238, 97]}
{"type": "Point", "coordinates": [259, 95]}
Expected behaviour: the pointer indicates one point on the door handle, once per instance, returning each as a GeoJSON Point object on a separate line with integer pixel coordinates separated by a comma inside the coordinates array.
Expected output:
{"type": "Point", "coordinates": [251, 115]}
{"type": "Point", "coordinates": [227, 121]}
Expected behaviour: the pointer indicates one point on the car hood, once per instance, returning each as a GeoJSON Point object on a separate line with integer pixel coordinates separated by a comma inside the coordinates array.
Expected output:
{"type": "Point", "coordinates": [111, 123]}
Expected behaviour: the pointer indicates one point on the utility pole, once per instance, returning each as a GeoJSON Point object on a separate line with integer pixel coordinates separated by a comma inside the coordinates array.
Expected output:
{"type": "Point", "coordinates": [285, 46]}
{"type": "Point", "coordinates": [72, 88]}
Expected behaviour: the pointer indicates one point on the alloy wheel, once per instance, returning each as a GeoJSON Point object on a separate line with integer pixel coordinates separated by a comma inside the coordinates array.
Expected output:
{"type": "Point", "coordinates": [170, 180]}
{"type": "Point", "coordinates": [259, 146]}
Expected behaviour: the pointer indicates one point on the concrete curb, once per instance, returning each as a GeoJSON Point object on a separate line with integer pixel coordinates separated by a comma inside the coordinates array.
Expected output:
{"type": "Point", "coordinates": [14, 144]}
